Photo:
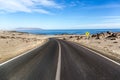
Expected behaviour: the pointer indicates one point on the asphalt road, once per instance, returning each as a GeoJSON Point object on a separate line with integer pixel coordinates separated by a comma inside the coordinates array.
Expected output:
{"type": "Point", "coordinates": [60, 60]}
{"type": "Point", "coordinates": [79, 63]}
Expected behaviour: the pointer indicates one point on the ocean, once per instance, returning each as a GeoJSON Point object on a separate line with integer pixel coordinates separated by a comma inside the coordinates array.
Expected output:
{"type": "Point", "coordinates": [69, 31]}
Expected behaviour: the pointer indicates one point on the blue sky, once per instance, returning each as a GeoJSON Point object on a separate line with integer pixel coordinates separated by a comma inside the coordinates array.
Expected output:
{"type": "Point", "coordinates": [60, 14]}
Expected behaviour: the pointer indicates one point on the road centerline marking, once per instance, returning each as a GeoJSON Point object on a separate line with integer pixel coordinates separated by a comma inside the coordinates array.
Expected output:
{"type": "Point", "coordinates": [59, 64]}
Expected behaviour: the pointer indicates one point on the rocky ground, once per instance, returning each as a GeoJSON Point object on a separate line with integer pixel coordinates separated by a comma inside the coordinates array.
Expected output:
{"type": "Point", "coordinates": [107, 43]}
{"type": "Point", "coordinates": [15, 43]}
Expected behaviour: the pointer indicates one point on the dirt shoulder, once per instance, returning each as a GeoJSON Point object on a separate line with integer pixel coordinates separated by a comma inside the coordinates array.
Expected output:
{"type": "Point", "coordinates": [108, 44]}
{"type": "Point", "coordinates": [15, 43]}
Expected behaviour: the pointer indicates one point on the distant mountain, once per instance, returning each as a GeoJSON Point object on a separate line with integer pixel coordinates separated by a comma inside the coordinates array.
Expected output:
{"type": "Point", "coordinates": [29, 29]}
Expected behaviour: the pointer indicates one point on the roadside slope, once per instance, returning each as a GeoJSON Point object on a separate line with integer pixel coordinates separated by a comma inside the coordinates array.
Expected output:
{"type": "Point", "coordinates": [15, 43]}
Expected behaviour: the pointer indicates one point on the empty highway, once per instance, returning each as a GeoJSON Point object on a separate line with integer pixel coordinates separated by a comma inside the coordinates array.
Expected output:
{"type": "Point", "coordinates": [60, 60]}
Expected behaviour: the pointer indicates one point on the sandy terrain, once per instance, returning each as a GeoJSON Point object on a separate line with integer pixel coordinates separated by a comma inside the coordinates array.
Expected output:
{"type": "Point", "coordinates": [108, 44]}
{"type": "Point", "coordinates": [15, 43]}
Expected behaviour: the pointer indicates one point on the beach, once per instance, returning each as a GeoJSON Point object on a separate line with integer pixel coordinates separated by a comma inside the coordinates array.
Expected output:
{"type": "Point", "coordinates": [14, 43]}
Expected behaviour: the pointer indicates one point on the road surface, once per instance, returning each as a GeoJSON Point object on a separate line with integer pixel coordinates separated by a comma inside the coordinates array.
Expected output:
{"type": "Point", "coordinates": [60, 60]}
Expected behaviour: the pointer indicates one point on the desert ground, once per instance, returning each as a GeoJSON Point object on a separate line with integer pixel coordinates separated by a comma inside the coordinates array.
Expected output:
{"type": "Point", "coordinates": [108, 43]}
{"type": "Point", "coordinates": [14, 43]}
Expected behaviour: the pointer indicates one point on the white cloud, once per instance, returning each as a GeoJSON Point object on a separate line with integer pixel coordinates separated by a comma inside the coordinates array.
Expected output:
{"type": "Point", "coordinates": [101, 22]}
{"type": "Point", "coordinates": [111, 19]}
{"type": "Point", "coordinates": [42, 11]}
{"type": "Point", "coordinates": [49, 3]}
{"type": "Point", "coordinates": [27, 6]}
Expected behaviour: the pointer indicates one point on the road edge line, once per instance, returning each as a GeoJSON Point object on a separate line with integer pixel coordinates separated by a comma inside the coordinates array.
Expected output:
{"type": "Point", "coordinates": [99, 54]}
{"type": "Point", "coordinates": [59, 64]}
{"type": "Point", "coordinates": [22, 54]}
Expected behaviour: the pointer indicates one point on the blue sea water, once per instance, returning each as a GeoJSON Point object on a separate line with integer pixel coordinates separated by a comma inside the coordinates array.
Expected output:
{"type": "Point", "coordinates": [69, 31]}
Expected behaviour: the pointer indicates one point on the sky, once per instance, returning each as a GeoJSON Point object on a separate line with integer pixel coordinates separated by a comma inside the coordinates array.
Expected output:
{"type": "Point", "coordinates": [60, 14]}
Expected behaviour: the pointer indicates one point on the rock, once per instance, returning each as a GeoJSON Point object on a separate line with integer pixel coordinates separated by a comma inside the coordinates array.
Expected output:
{"type": "Point", "coordinates": [64, 38]}
{"type": "Point", "coordinates": [71, 37]}
{"type": "Point", "coordinates": [108, 32]}
{"type": "Point", "coordinates": [98, 36]}
{"type": "Point", "coordinates": [78, 38]}
{"type": "Point", "coordinates": [81, 37]}
{"type": "Point", "coordinates": [7, 36]}
{"type": "Point", "coordinates": [94, 35]}
{"type": "Point", "coordinates": [13, 34]}
{"type": "Point", "coordinates": [118, 34]}
{"type": "Point", "coordinates": [111, 38]}
{"type": "Point", "coordinates": [114, 35]}
{"type": "Point", "coordinates": [13, 37]}
{"type": "Point", "coordinates": [115, 42]}
{"type": "Point", "coordinates": [3, 37]}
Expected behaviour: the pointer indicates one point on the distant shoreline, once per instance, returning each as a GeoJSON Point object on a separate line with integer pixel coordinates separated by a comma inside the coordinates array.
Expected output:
{"type": "Point", "coordinates": [68, 31]}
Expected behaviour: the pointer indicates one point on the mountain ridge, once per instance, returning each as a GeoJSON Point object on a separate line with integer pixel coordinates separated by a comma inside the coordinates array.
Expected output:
{"type": "Point", "coordinates": [29, 29]}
